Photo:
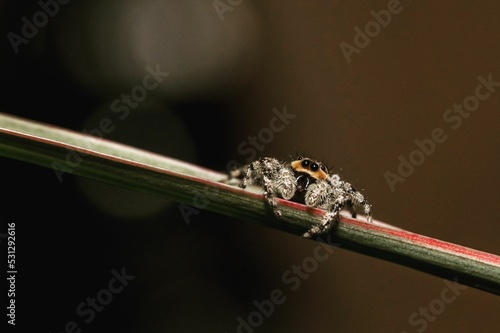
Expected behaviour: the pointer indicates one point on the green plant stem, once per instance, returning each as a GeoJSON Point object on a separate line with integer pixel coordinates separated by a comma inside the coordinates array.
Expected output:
{"type": "Point", "coordinates": [68, 152]}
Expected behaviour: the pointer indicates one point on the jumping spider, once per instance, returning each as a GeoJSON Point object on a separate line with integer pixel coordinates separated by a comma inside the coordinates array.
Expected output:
{"type": "Point", "coordinates": [306, 181]}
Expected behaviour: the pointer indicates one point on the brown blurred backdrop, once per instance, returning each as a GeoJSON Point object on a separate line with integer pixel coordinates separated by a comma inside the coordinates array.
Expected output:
{"type": "Point", "coordinates": [356, 100]}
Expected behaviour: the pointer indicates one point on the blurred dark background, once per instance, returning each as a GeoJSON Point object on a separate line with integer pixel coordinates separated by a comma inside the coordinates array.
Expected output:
{"type": "Point", "coordinates": [232, 65]}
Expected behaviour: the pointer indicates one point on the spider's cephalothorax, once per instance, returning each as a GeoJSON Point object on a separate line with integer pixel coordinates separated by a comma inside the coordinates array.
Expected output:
{"type": "Point", "coordinates": [307, 181]}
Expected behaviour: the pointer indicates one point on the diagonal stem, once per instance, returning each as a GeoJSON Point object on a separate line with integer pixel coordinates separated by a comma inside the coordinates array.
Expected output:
{"type": "Point", "coordinates": [68, 152]}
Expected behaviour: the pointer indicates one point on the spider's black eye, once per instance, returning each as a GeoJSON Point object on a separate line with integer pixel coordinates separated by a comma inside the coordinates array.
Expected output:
{"type": "Point", "coordinates": [314, 167]}
{"type": "Point", "coordinates": [305, 163]}
{"type": "Point", "coordinates": [323, 168]}
{"type": "Point", "coordinates": [299, 158]}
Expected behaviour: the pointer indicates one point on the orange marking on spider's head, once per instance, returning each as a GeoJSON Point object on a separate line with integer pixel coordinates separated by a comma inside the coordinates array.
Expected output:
{"type": "Point", "coordinates": [315, 169]}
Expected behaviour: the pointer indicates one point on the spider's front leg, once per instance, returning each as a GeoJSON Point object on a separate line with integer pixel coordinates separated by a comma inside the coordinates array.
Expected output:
{"type": "Point", "coordinates": [286, 183]}
{"type": "Point", "coordinates": [359, 200]}
{"type": "Point", "coordinates": [320, 194]}
{"type": "Point", "coordinates": [270, 195]}
{"type": "Point", "coordinates": [259, 173]}
{"type": "Point", "coordinates": [274, 177]}
{"type": "Point", "coordinates": [326, 223]}
{"type": "Point", "coordinates": [355, 198]}
{"type": "Point", "coordinates": [280, 182]}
